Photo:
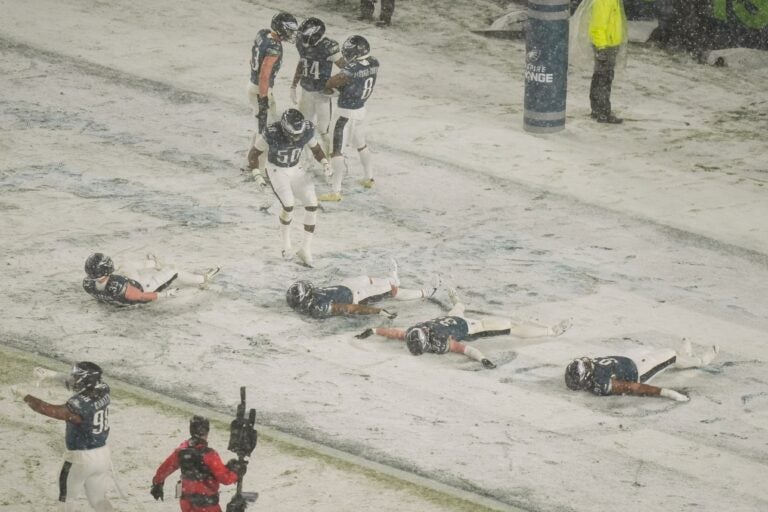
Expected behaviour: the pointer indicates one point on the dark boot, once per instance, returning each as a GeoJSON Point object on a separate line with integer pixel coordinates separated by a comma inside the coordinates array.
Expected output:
{"type": "Point", "coordinates": [608, 118]}
{"type": "Point", "coordinates": [366, 10]}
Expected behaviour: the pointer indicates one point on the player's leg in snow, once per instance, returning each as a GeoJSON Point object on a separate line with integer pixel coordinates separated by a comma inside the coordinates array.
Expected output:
{"type": "Point", "coordinates": [357, 135]}
{"type": "Point", "coordinates": [310, 218]}
{"type": "Point", "coordinates": [652, 363]}
{"type": "Point", "coordinates": [286, 216]}
{"type": "Point", "coordinates": [283, 188]}
{"type": "Point", "coordinates": [687, 359]}
{"type": "Point", "coordinates": [340, 132]}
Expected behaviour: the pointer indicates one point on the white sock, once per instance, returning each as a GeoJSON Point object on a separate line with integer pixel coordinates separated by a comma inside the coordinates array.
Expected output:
{"type": "Point", "coordinates": [339, 168]}
{"type": "Point", "coordinates": [365, 159]}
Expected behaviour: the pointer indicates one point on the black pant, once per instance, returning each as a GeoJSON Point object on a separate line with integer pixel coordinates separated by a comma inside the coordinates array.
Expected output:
{"type": "Point", "coordinates": [602, 78]}
{"type": "Point", "coordinates": [387, 9]}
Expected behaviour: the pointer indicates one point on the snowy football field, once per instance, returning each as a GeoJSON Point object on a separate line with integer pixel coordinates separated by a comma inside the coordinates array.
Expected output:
{"type": "Point", "coordinates": [122, 130]}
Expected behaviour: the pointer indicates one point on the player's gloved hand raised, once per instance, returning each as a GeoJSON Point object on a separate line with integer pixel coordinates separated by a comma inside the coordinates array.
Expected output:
{"type": "Point", "coordinates": [157, 492]}
{"type": "Point", "coordinates": [294, 98]}
{"type": "Point", "coordinates": [41, 374]}
{"type": "Point", "coordinates": [366, 333]}
{"type": "Point", "coordinates": [387, 314]}
{"type": "Point", "coordinates": [237, 466]}
{"type": "Point", "coordinates": [487, 363]}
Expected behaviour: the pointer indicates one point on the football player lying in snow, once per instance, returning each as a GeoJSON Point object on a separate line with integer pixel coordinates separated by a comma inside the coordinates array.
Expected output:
{"type": "Point", "coordinates": [619, 375]}
{"type": "Point", "coordinates": [137, 284]}
{"type": "Point", "coordinates": [446, 333]}
{"type": "Point", "coordinates": [353, 295]}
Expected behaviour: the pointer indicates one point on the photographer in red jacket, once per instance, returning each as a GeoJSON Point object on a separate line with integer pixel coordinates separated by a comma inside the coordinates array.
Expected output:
{"type": "Point", "coordinates": [201, 471]}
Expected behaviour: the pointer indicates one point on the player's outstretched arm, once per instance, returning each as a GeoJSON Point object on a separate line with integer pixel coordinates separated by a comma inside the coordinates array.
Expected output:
{"type": "Point", "coordinates": [387, 332]}
{"type": "Point", "coordinates": [57, 412]}
{"type": "Point", "coordinates": [623, 387]}
{"type": "Point", "coordinates": [471, 352]}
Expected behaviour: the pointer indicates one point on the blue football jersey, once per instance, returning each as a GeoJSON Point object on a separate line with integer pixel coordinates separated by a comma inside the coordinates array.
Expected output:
{"type": "Point", "coordinates": [361, 78]}
{"type": "Point", "coordinates": [618, 367]}
{"type": "Point", "coordinates": [93, 409]}
{"type": "Point", "coordinates": [317, 63]}
{"type": "Point", "coordinates": [442, 328]}
{"type": "Point", "coordinates": [264, 45]}
{"type": "Point", "coordinates": [284, 151]}
{"type": "Point", "coordinates": [319, 303]}
{"type": "Point", "coordinates": [114, 291]}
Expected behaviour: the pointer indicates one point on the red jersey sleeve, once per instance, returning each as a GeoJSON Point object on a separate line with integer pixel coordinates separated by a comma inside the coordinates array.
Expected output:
{"type": "Point", "coordinates": [219, 470]}
{"type": "Point", "coordinates": [168, 466]}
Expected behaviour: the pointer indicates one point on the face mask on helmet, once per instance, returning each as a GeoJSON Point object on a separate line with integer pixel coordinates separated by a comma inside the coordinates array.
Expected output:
{"type": "Point", "coordinates": [292, 124]}
{"type": "Point", "coordinates": [355, 48]}
{"type": "Point", "coordinates": [98, 265]}
{"type": "Point", "coordinates": [297, 293]}
{"type": "Point", "coordinates": [285, 26]}
{"type": "Point", "coordinates": [84, 376]}
{"type": "Point", "coordinates": [416, 340]}
{"type": "Point", "coordinates": [311, 31]}
{"type": "Point", "coordinates": [578, 373]}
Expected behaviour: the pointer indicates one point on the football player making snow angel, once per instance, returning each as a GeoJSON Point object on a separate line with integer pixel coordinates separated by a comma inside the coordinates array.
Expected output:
{"type": "Point", "coordinates": [445, 333]}
{"type": "Point", "coordinates": [137, 284]}
{"type": "Point", "coordinates": [620, 375]}
{"type": "Point", "coordinates": [284, 142]}
{"type": "Point", "coordinates": [201, 471]}
{"type": "Point", "coordinates": [266, 59]}
{"type": "Point", "coordinates": [355, 83]}
{"type": "Point", "coordinates": [353, 296]}
{"type": "Point", "coordinates": [317, 54]}
{"type": "Point", "coordinates": [87, 462]}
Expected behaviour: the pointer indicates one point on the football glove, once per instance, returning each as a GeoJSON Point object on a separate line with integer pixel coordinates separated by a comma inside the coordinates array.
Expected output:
{"type": "Point", "coordinates": [387, 314]}
{"type": "Point", "coordinates": [237, 466]}
{"type": "Point", "coordinates": [674, 395]}
{"type": "Point", "coordinates": [157, 492]}
{"type": "Point", "coordinates": [18, 392]}
{"type": "Point", "coordinates": [487, 363]}
{"type": "Point", "coordinates": [366, 333]}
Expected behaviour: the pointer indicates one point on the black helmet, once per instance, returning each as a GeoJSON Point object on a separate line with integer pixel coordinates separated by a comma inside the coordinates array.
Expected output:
{"type": "Point", "coordinates": [292, 123]}
{"type": "Point", "coordinates": [85, 376]}
{"type": "Point", "coordinates": [199, 427]}
{"type": "Point", "coordinates": [579, 373]}
{"type": "Point", "coordinates": [98, 265]}
{"type": "Point", "coordinates": [416, 340]}
{"type": "Point", "coordinates": [285, 26]}
{"type": "Point", "coordinates": [311, 31]}
{"type": "Point", "coordinates": [297, 293]}
{"type": "Point", "coordinates": [355, 48]}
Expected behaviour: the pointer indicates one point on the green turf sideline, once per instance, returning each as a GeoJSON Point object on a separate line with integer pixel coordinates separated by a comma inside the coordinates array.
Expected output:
{"type": "Point", "coordinates": [17, 368]}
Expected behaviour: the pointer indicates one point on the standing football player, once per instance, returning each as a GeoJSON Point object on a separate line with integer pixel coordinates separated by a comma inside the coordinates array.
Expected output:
{"type": "Point", "coordinates": [317, 55]}
{"type": "Point", "coordinates": [629, 374]}
{"type": "Point", "coordinates": [283, 142]}
{"type": "Point", "coordinates": [445, 334]}
{"type": "Point", "coordinates": [87, 462]}
{"type": "Point", "coordinates": [266, 58]}
{"type": "Point", "coordinates": [355, 83]}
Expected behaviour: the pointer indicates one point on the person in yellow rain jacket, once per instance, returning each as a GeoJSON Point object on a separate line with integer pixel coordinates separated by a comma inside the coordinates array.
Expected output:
{"type": "Point", "coordinates": [608, 34]}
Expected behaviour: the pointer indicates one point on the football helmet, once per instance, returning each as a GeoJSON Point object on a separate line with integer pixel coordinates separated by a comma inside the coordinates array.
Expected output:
{"type": "Point", "coordinates": [99, 265]}
{"type": "Point", "coordinates": [297, 293]}
{"type": "Point", "coordinates": [579, 373]}
{"type": "Point", "coordinates": [199, 427]}
{"type": "Point", "coordinates": [292, 123]}
{"type": "Point", "coordinates": [285, 26]}
{"type": "Point", "coordinates": [355, 48]}
{"type": "Point", "coordinates": [84, 376]}
{"type": "Point", "coordinates": [416, 338]}
{"type": "Point", "coordinates": [310, 32]}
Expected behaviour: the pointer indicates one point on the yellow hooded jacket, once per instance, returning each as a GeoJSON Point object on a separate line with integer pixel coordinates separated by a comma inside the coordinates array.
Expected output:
{"type": "Point", "coordinates": [608, 24]}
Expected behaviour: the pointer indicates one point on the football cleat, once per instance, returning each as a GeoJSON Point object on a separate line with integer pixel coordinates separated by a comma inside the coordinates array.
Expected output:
{"type": "Point", "coordinates": [330, 197]}
{"type": "Point", "coordinates": [453, 296]}
{"type": "Point", "coordinates": [306, 257]}
{"type": "Point", "coordinates": [560, 327]}
{"type": "Point", "coordinates": [208, 276]}
{"type": "Point", "coordinates": [367, 183]}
